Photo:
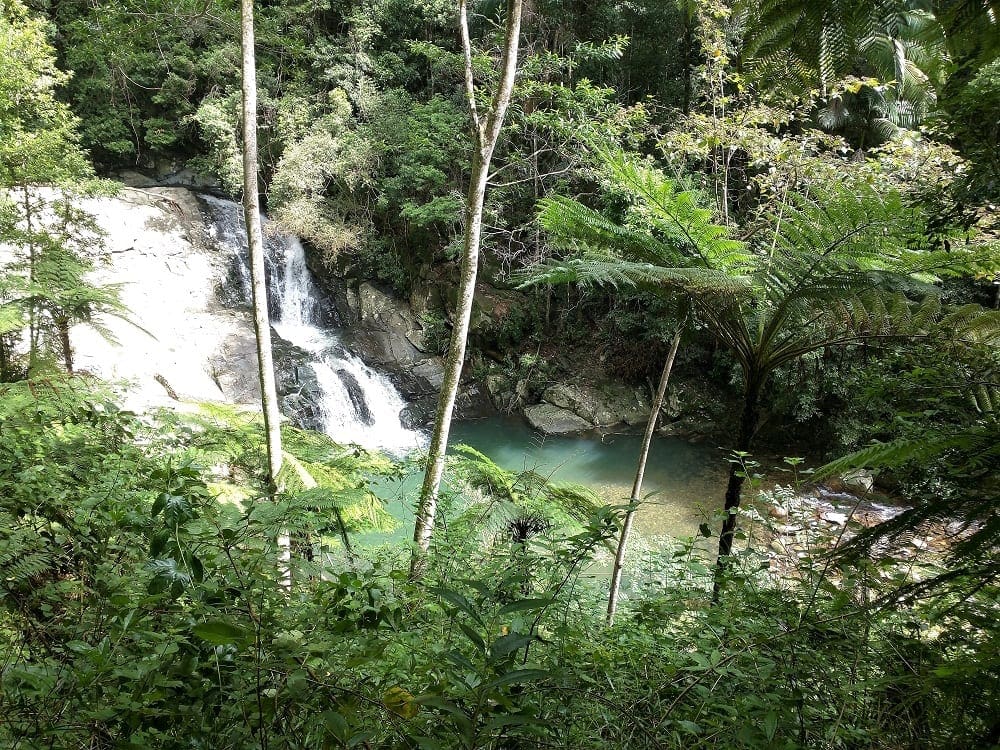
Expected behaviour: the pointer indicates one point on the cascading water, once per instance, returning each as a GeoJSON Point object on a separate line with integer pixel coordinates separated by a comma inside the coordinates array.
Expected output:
{"type": "Point", "coordinates": [358, 404]}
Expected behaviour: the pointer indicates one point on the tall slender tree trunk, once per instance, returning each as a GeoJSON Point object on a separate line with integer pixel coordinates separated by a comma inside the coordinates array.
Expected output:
{"type": "Point", "coordinates": [688, 58]}
{"type": "Point", "coordinates": [255, 243]}
{"type": "Point", "coordinates": [486, 132]}
{"type": "Point", "coordinates": [5, 366]}
{"type": "Point", "coordinates": [749, 421]}
{"type": "Point", "coordinates": [33, 336]}
{"type": "Point", "coordinates": [647, 441]}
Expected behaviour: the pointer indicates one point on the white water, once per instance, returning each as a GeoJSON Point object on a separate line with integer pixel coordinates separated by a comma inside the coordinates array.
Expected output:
{"type": "Point", "coordinates": [370, 416]}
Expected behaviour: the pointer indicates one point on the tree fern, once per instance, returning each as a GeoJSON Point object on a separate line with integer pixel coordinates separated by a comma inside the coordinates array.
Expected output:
{"type": "Point", "coordinates": [802, 44]}
{"type": "Point", "coordinates": [506, 496]}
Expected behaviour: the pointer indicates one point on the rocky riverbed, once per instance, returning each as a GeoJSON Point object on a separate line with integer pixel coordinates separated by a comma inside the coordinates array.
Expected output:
{"type": "Point", "coordinates": [793, 528]}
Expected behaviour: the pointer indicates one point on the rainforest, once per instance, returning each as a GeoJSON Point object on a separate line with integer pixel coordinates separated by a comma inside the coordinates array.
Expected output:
{"type": "Point", "coordinates": [499, 374]}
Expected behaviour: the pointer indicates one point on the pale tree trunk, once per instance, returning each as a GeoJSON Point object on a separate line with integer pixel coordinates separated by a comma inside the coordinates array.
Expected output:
{"type": "Point", "coordinates": [647, 440]}
{"type": "Point", "coordinates": [485, 134]}
{"type": "Point", "coordinates": [32, 304]}
{"type": "Point", "coordinates": [255, 242]}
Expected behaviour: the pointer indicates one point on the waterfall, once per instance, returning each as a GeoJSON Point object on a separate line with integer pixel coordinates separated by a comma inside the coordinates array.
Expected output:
{"type": "Point", "coordinates": [358, 404]}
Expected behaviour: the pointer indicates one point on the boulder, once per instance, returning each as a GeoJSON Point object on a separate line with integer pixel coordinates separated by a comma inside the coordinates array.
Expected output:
{"type": "Point", "coordinates": [353, 304]}
{"type": "Point", "coordinates": [430, 370]}
{"type": "Point", "coordinates": [837, 519]}
{"type": "Point", "coordinates": [382, 312]}
{"type": "Point", "coordinates": [854, 481]}
{"type": "Point", "coordinates": [234, 367]}
{"type": "Point", "coordinates": [391, 348]}
{"type": "Point", "coordinates": [300, 395]}
{"type": "Point", "coordinates": [391, 336]}
{"type": "Point", "coordinates": [555, 420]}
{"type": "Point", "coordinates": [419, 413]}
{"type": "Point", "coordinates": [603, 406]}
{"type": "Point", "coordinates": [858, 480]}
{"type": "Point", "coordinates": [505, 393]}
{"type": "Point", "coordinates": [472, 402]}
{"type": "Point", "coordinates": [418, 340]}
{"type": "Point", "coordinates": [778, 512]}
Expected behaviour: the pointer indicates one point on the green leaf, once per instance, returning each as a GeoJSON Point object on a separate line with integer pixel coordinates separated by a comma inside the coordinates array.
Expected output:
{"type": "Point", "coordinates": [219, 633]}
{"type": "Point", "coordinates": [510, 720]}
{"type": "Point", "coordinates": [473, 636]}
{"type": "Point", "coordinates": [458, 716]}
{"type": "Point", "coordinates": [336, 725]}
{"type": "Point", "coordinates": [458, 601]}
{"type": "Point", "coordinates": [770, 725]}
{"type": "Point", "coordinates": [517, 676]}
{"type": "Point", "coordinates": [507, 643]}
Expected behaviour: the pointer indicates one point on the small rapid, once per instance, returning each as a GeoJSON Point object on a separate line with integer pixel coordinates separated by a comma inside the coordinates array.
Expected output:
{"type": "Point", "coordinates": [358, 404]}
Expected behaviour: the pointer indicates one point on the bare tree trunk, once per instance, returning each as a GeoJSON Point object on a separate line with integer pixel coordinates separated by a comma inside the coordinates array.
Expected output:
{"type": "Point", "coordinates": [647, 440]}
{"type": "Point", "coordinates": [485, 135]}
{"type": "Point", "coordinates": [33, 325]}
{"type": "Point", "coordinates": [255, 242]}
{"type": "Point", "coordinates": [5, 364]}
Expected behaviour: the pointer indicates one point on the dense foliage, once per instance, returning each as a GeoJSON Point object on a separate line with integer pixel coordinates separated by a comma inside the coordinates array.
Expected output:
{"type": "Point", "coordinates": [807, 188]}
{"type": "Point", "coordinates": [139, 610]}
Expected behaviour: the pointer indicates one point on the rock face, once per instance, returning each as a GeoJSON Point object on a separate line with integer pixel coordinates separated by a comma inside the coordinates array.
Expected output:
{"type": "Point", "coordinates": [388, 334]}
{"type": "Point", "coordinates": [554, 420]}
{"type": "Point", "coordinates": [300, 395]}
{"type": "Point", "coordinates": [169, 272]}
{"type": "Point", "coordinates": [694, 412]}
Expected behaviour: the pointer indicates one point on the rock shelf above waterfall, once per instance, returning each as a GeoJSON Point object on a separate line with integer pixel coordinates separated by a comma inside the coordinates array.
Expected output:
{"type": "Point", "coordinates": [161, 254]}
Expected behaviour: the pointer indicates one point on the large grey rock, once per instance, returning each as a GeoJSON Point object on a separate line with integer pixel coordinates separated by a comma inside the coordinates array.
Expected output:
{"type": "Point", "coordinates": [382, 312]}
{"type": "Point", "coordinates": [391, 348]}
{"type": "Point", "coordinates": [431, 370]}
{"type": "Point", "coordinates": [391, 335]}
{"type": "Point", "coordinates": [234, 367]}
{"type": "Point", "coordinates": [470, 403]}
{"type": "Point", "coordinates": [854, 481]}
{"type": "Point", "coordinates": [353, 303]}
{"type": "Point", "coordinates": [388, 335]}
{"type": "Point", "coordinates": [505, 393]}
{"type": "Point", "coordinates": [554, 420]}
{"type": "Point", "coordinates": [418, 340]}
{"type": "Point", "coordinates": [603, 406]}
{"type": "Point", "coordinates": [299, 393]}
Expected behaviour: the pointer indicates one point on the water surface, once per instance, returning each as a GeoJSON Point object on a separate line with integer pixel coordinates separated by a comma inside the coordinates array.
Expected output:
{"type": "Point", "coordinates": [684, 482]}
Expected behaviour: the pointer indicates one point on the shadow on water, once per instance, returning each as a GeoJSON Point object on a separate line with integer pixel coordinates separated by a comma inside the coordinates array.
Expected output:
{"type": "Point", "coordinates": [683, 483]}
